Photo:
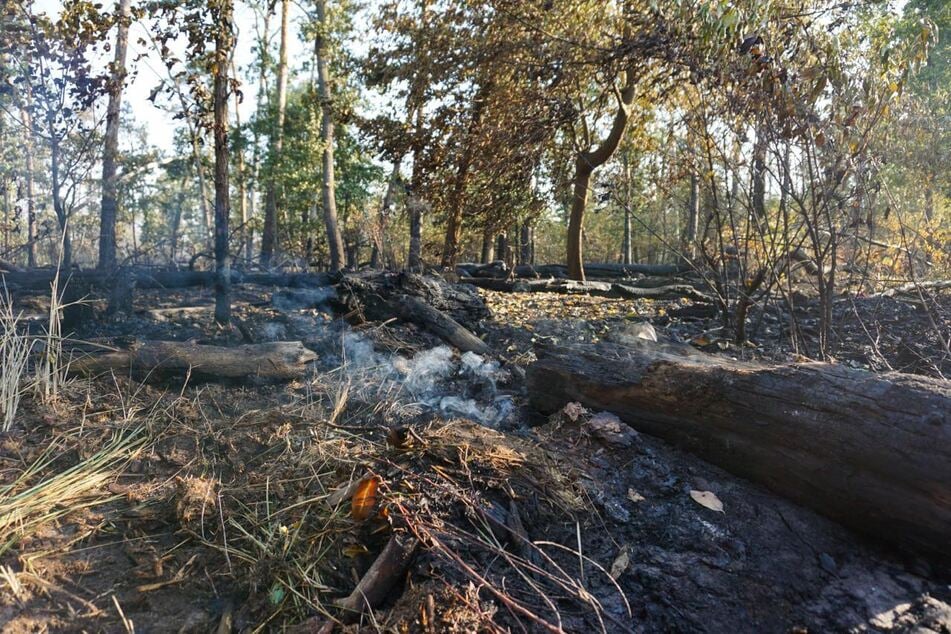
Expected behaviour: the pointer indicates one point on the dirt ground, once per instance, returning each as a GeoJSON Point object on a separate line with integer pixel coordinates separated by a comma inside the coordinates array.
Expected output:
{"type": "Point", "coordinates": [214, 507]}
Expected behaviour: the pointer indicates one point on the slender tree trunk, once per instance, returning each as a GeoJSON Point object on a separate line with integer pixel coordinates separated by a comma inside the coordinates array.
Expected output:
{"type": "Point", "coordinates": [269, 235]}
{"type": "Point", "coordinates": [415, 206]}
{"type": "Point", "coordinates": [526, 254]}
{"type": "Point", "coordinates": [628, 201]}
{"type": "Point", "coordinates": [7, 209]}
{"type": "Point", "coordinates": [256, 155]}
{"type": "Point", "coordinates": [109, 211]}
{"type": "Point", "coordinates": [457, 196]}
{"type": "Point", "coordinates": [579, 200]}
{"type": "Point", "coordinates": [585, 164]}
{"type": "Point", "coordinates": [693, 216]}
{"type": "Point", "coordinates": [334, 240]}
{"type": "Point", "coordinates": [501, 246]}
{"type": "Point", "coordinates": [223, 45]}
{"type": "Point", "coordinates": [487, 246]}
{"type": "Point", "coordinates": [758, 197]}
{"type": "Point", "coordinates": [203, 196]}
{"type": "Point", "coordinates": [376, 256]}
{"type": "Point", "coordinates": [66, 255]}
{"type": "Point", "coordinates": [176, 224]}
{"type": "Point", "coordinates": [242, 176]}
{"type": "Point", "coordinates": [30, 203]}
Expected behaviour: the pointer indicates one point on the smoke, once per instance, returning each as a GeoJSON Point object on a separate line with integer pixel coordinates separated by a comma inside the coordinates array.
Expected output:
{"type": "Point", "coordinates": [436, 379]}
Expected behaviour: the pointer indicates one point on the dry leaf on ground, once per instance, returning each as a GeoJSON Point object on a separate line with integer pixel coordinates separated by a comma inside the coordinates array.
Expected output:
{"type": "Point", "coordinates": [707, 499]}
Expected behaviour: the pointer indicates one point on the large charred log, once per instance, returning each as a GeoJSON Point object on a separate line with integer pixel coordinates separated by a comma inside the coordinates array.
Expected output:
{"type": "Point", "coordinates": [40, 279]}
{"type": "Point", "coordinates": [872, 451]}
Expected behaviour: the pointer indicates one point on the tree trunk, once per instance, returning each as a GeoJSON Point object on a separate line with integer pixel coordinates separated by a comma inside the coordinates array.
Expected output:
{"type": "Point", "coordinates": [759, 177]}
{"type": "Point", "coordinates": [31, 237]}
{"type": "Point", "coordinates": [66, 253]}
{"type": "Point", "coordinates": [224, 42]}
{"type": "Point", "coordinates": [527, 254]}
{"type": "Point", "coordinates": [450, 249]}
{"type": "Point", "coordinates": [242, 176]}
{"type": "Point", "coordinates": [872, 451]}
{"type": "Point", "coordinates": [176, 224]}
{"type": "Point", "coordinates": [415, 205]}
{"type": "Point", "coordinates": [109, 212]}
{"type": "Point", "coordinates": [161, 360]}
{"type": "Point", "coordinates": [585, 164]}
{"type": "Point", "coordinates": [377, 256]}
{"type": "Point", "coordinates": [269, 234]}
{"type": "Point", "coordinates": [328, 194]}
{"type": "Point", "coordinates": [487, 253]}
{"type": "Point", "coordinates": [693, 217]}
{"type": "Point", "coordinates": [626, 255]}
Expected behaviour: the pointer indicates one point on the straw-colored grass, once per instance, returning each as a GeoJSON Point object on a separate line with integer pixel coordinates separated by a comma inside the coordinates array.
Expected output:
{"type": "Point", "coordinates": [51, 368]}
{"type": "Point", "coordinates": [33, 500]}
{"type": "Point", "coordinates": [15, 348]}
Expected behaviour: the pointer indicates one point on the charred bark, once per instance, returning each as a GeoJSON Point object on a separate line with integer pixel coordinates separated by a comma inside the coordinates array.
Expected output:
{"type": "Point", "coordinates": [872, 451]}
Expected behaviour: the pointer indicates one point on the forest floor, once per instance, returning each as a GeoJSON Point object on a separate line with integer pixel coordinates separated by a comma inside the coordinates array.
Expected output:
{"type": "Point", "coordinates": [216, 507]}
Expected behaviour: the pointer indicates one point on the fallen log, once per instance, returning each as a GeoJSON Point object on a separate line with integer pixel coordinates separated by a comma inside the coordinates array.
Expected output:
{"type": "Point", "coordinates": [385, 572]}
{"type": "Point", "coordinates": [444, 309]}
{"type": "Point", "coordinates": [872, 451]}
{"type": "Point", "coordinates": [277, 361]}
{"type": "Point", "coordinates": [596, 289]}
{"type": "Point", "coordinates": [413, 309]}
{"type": "Point", "coordinates": [498, 269]}
{"type": "Point", "coordinates": [40, 279]}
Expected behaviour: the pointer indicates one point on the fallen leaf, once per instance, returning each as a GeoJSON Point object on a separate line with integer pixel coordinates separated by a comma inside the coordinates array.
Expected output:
{"type": "Point", "coordinates": [634, 496]}
{"type": "Point", "coordinates": [573, 411]}
{"type": "Point", "coordinates": [365, 498]}
{"type": "Point", "coordinates": [707, 499]}
{"type": "Point", "coordinates": [621, 562]}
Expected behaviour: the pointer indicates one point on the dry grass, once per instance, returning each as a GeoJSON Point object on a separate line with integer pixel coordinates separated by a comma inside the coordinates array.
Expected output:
{"type": "Point", "coordinates": [15, 349]}
{"type": "Point", "coordinates": [37, 497]}
{"type": "Point", "coordinates": [51, 368]}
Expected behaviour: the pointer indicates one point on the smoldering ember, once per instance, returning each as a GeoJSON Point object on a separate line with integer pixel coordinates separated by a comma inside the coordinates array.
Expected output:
{"type": "Point", "coordinates": [477, 316]}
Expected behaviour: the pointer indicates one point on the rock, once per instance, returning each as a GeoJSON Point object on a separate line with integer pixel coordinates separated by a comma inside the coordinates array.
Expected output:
{"type": "Point", "coordinates": [827, 563]}
{"type": "Point", "coordinates": [609, 429]}
{"type": "Point", "coordinates": [629, 332]}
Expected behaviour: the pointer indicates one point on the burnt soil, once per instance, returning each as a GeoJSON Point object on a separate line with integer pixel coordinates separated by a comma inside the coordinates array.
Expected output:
{"type": "Point", "coordinates": [229, 513]}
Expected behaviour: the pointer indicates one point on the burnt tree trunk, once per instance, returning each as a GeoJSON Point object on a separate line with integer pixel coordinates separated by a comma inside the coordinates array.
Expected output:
{"type": "Point", "coordinates": [159, 360]}
{"type": "Point", "coordinates": [872, 451]}
{"type": "Point", "coordinates": [223, 45]}
{"type": "Point", "coordinates": [109, 212]}
{"type": "Point", "coordinates": [328, 183]}
{"type": "Point", "coordinates": [269, 234]}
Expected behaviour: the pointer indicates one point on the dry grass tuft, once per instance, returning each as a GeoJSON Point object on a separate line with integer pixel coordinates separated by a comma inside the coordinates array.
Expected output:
{"type": "Point", "coordinates": [33, 499]}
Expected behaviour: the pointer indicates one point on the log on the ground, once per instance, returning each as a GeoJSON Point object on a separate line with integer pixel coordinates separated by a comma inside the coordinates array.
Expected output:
{"type": "Point", "coordinates": [449, 311]}
{"type": "Point", "coordinates": [597, 289]}
{"type": "Point", "coordinates": [278, 361]}
{"type": "Point", "coordinates": [386, 572]}
{"type": "Point", "coordinates": [409, 308]}
{"type": "Point", "coordinates": [498, 269]}
{"type": "Point", "coordinates": [40, 279]}
{"type": "Point", "coordinates": [179, 313]}
{"type": "Point", "coordinates": [872, 451]}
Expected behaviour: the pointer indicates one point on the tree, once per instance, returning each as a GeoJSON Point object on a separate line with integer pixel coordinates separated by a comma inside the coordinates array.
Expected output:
{"type": "Point", "coordinates": [328, 184]}
{"type": "Point", "coordinates": [107, 217]}
{"type": "Point", "coordinates": [221, 13]}
{"type": "Point", "coordinates": [269, 235]}
{"type": "Point", "coordinates": [52, 58]}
